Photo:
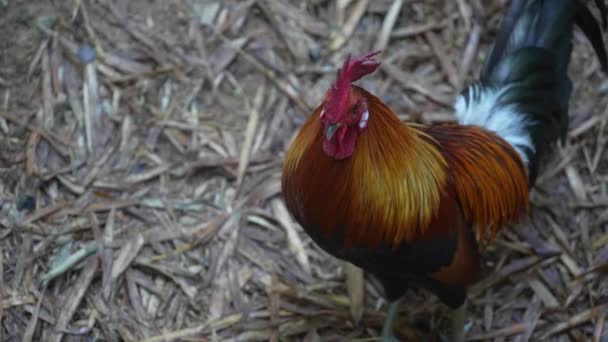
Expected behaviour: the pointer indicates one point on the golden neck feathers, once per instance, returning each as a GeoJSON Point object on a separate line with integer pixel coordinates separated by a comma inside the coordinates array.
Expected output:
{"type": "Point", "coordinates": [387, 191]}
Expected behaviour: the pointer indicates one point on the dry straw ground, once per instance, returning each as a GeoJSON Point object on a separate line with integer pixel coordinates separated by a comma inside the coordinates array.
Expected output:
{"type": "Point", "coordinates": [141, 148]}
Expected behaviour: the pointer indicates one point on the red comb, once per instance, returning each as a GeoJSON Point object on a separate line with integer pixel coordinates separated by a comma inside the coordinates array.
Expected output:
{"type": "Point", "coordinates": [351, 71]}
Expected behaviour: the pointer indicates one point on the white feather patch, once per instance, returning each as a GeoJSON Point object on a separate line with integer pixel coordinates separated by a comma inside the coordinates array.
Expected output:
{"type": "Point", "coordinates": [482, 110]}
{"type": "Point", "coordinates": [363, 120]}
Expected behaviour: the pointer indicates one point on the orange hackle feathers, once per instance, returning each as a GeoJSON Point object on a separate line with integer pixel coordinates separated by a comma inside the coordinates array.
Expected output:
{"type": "Point", "coordinates": [489, 175]}
{"type": "Point", "coordinates": [387, 192]}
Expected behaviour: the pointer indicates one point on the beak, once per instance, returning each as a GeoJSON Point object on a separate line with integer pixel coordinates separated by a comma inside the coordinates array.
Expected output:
{"type": "Point", "coordinates": [331, 130]}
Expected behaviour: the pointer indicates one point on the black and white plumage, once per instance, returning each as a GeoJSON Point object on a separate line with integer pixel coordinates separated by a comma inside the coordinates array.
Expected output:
{"type": "Point", "coordinates": [524, 90]}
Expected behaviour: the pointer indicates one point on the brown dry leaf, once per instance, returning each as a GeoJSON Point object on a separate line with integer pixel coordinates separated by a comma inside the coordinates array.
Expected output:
{"type": "Point", "coordinates": [250, 131]}
{"type": "Point", "coordinates": [446, 64]}
{"type": "Point", "coordinates": [599, 327]}
{"type": "Point", "coordinates": [470, 52]}
{"type": "Point", "coordinates": [126, 255]}
{"type": "Point", "coordinates": [532, 316]}
{"type": "Point", "coordinates": [388, 25]}
{"type": "Point", "coordinates": [356, 290]}
{"type": "Point", "coordinates": [576, 183]}
{"type": "Point", "coordinates": [73, 298]}
{"type": "Point", "coordinates": [298, 42]}
{"type": "Point", "coordinates": [544, 294]}
{"type": "Point", "coordinates": [296, 245]}
{"type": "Point", "coordinates": [341, 35]}
{"type": "Point", "coordinates": [147, 175]}
{"type": "Point", "coordinates": [44, 212]}
{"type": "Point", "coordinates": [225, 54]}
{"type": "Point", "coordinates": [417, 29]}
{"type": "Point", "coordinates": [501, 334]}
{"type": "Point", "coordinates": [106, 256]}
{"type": "Point", "coordinates": [31, 167]}
{"type": "Point", "coordinates": [412, 82]}
{"type": "Point", "coordinates": [46, 117]}
{"type": "Point", "coordinates": [302, 17]}
{"type": "Point", "coordinates": [91, 102]}
{"type": "Point", "coordinates": [217, 301]}
{"type": "Point", "coordinates": [216, 325]}
{"type": "Point", "coordinates": [31, 327]}
{"type": "Point", "coordinates": [577, 319]}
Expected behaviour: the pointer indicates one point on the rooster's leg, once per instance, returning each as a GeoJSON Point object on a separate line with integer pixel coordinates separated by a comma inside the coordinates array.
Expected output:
{"type": "Point", "coordinates": [457, 319]}
{"type": "Point", "coordinates": [457, 327]}
{"type": "Point", "coordinates": [389, 321]}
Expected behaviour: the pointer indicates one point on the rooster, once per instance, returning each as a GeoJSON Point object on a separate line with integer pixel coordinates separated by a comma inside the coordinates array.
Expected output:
{"type": "Point", "coordinates": [414, 204]}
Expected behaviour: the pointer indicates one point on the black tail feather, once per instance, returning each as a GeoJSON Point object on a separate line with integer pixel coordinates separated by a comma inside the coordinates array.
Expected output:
{"type": "Point", "coordinates": [502, 37]}
{"type": "Point", "coordinates": [548, 24]}
{"type": "Point", "coordinates": [603, 12]}
{"type": "Point", "coordinates": [591, 28]}
{"type": "Point", "coordinates": [529, 62]}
